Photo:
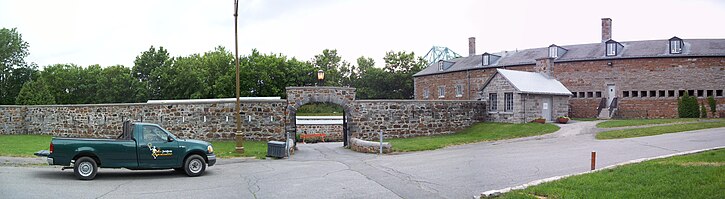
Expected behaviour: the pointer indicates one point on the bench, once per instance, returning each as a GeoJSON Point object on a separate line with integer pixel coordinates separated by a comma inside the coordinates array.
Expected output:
{"type": "Point", "coordinates": [313, 135]}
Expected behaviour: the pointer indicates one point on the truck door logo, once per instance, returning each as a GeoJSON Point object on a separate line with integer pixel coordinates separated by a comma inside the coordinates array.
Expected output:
{"type": "Point", "coordinates": [156, 152]}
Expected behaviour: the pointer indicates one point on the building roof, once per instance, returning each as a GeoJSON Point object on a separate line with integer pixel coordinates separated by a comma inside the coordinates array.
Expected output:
{"type": "Point", "coordinates": [530, 82]}
{"type": "Point", "coordinates": [585, 52]}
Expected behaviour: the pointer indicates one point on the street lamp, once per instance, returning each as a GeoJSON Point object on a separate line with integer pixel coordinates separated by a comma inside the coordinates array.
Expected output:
{"type": "Point", "coordinates": [320, 76]}
{"type": "Point", "coordinates": [238, 137]}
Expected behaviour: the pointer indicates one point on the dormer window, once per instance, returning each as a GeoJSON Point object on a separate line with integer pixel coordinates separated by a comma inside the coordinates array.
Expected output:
{"type": "Point", "coordinates": [556, 51]}
{"type": "Point", "coordinates": [440, 65]}
{"type": "Point", "coordinates": [613, 48]}
{"type": "Point", "coordinates": [675, 45]}
{"type": "Point", "coordinates": [486, 59]}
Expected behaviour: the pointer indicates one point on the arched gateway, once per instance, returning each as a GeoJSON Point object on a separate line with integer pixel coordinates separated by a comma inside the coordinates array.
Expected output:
{"type": "Point", "coordinates": [342, 96]}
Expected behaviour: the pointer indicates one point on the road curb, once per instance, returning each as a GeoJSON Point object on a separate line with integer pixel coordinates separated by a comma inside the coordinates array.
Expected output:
{"type": "Point", "coordinates": [498, 192]}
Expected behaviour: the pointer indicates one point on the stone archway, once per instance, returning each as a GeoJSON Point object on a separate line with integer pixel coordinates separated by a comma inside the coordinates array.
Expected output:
{"type": "Point", "coordinates": [342, 96]}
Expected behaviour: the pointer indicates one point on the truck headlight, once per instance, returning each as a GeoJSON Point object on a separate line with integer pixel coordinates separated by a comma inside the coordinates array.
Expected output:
{"type": "Point", "coordinates": [209, 149]}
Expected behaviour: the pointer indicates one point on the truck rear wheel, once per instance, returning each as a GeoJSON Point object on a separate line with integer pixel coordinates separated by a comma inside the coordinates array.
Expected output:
{"type": "Point", "coordinates": [194, 165]}
{"type": "Point", "coordinates": [85, 168]}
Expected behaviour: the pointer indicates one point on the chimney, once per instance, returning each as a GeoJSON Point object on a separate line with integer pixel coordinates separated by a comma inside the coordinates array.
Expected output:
{"type": "Point", "coordinates": [471, 46]}
{"type": "Point", "coordinates": [545, 66]}
{"type": "Point", "coordinates": [606, 29]}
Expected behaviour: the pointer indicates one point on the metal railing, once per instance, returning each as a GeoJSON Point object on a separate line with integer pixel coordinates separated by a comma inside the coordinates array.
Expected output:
{"type": "Point", "coordinates": [602, 105]}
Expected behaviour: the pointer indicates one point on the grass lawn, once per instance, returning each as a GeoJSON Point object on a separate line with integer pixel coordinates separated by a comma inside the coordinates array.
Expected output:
{"type": "Point", "coordinates": [26, 145]}
{"type": "Point", "coordinates": [656, 130]}
{"type": "Point", "coordinates": [477, 133]}
{"type": "Point", "coordinates": [584, 119]}
{"type": "Point", "coordinates": [640, 122]}
{"type": "Point", "coordinates": [700, 175]}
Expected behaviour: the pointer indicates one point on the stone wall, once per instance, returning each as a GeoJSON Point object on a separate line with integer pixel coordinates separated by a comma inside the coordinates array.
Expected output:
{"type": "Point", "coordinates": [333, 132]}
{"type": "Point", "coordinates": [526, 107]}
{"type": "Point", "coordinates": [262, 119]}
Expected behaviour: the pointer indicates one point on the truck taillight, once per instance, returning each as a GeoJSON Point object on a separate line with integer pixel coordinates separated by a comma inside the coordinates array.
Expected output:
{"type": "Point", "coordinates": [51, 147]}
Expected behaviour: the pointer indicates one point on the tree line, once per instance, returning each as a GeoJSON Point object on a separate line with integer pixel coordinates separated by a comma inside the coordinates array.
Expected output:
{"type": "Point", "coordinates": [157, 75]}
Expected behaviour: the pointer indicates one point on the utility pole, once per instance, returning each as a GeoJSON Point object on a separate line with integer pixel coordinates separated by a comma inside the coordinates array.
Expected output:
{"type": "Point", "coordinates": [238, 133]}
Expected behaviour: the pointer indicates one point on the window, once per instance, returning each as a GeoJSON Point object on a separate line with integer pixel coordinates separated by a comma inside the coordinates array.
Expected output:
{"type": "Point", "coordinates": [718, 93]}
{"type": "Point", "coordinates": [710, 93]}
{"type": "Point", "coordinates": [440, 65]}
{"type": "Point", "coordinates": [426, 94]}
{"type": "Point", "coordinates": [662, 94]}
{"type": "Point", "coordinates": [508, 102]}
{"type": "Point", "coordinates": [590, 94]}
{"type": "Point", "coordinates": [441, 91]}
{"type": "Point", "coordinates": [154, 134]}
{"type": "Point", "coordinates": [681, 93]}
{"type": "Point", "coordinates": [486, 59]}
{"type": "Point", "coordinates": [635, 94]}
{"type": "Point", "coordinates": [643, 94]}
{"type": "Point", "coordinates": [670, 93]}
{"type": "Point", "coordinates": [552, 51]}
{"type": "Point", "coordinates": [625, 94]}
{"type": "Point", "coordinates": [598, 94]}
{"type": "Point", "coordinates": [611, 49]}
{"type": "Point", "coordinates": [573, 94]}
{"type": "Point", "coordinates": [700, 93]}
{"type": "Point", "coordinates": [493, 100]}
{"type": "Point", "coordinates": [675, 45]}
{"type": "Point", "coordinates": [459, 90]}
{"type": "Point", "coordinates": [691, 92]}
{"type": "Point", "coordinates": [652, 93]}
{"type": "Point", "coordinates": [581, 95]}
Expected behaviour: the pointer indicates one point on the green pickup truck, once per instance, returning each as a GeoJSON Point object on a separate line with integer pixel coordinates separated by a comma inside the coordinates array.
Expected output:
{"type": "Point", "coordinates": [141, 146]}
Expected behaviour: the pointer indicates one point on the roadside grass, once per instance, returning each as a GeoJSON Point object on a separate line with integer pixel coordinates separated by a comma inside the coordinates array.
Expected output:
{"type": "Point", "coordinates": [485, 131]}
{"type": "Point", "coordinates": [656, 130]}
{"type": "Point", "coordinates": [23, 145]}
{"type": "Point", "coordinates": [700, 175]}
{"type": "Point", "coordinates": [640, 122]}
{"type": "Point", "coordinates": [227, 149]}
{"type": "Point", "coordinates": [26, 145]}
{"type": "Point", "coordinates": [584, 119]}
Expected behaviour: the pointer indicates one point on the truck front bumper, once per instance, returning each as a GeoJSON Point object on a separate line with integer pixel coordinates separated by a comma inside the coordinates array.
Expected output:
{"type": "Point", "coordinates": [211, 159]}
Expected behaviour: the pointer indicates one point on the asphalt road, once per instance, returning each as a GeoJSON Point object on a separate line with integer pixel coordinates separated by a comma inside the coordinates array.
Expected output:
{"type": "Point", "coordinates": [325, 170]}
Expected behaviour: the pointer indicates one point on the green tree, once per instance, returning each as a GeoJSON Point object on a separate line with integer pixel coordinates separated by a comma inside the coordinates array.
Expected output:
{"type": "Point", "coordinates": [712, 103]}
{"type": "Point", "coordinates": [687, 106]}
{"type": "Point", "coordinates": [330, 63]}
{"type": "Point", "coordinates": [183, 79]}
{"type": "Point", "coordinates": [14, 72]}
{"type": "Point", "coordinates": [703, 111]}
{"type": "Point", "coordinates": [35, 93]}
{"type": "Point", "coordinates": [215, 64]}
{"type": "Point", "coordinates": [117, 85]}
{"type": "Point", "coordinates": [145, 64]}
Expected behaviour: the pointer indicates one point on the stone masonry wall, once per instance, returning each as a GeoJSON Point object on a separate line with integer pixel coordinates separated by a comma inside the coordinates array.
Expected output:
{"type": "Point", "coordinates": [333, 132]}
{"type": "Point", "coordinates": [526, 107]}
{"type": "Point", "coordinates": [262, 119]}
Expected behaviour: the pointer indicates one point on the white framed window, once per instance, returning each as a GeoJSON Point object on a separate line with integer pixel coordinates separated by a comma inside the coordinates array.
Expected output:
{"type": "Point", "coordinates": [675, 46]}
{"type": "Point", "coordinates": [440, 65]}
{"type": "Point", "coordinates": [486, 60]}
{"type": "Point", "coordinates": [611, 49]}
{"type": "Point", "coordinates": [426, 94]}
{"type": "Point", "coordinates": [459, 90]}
{"type": "Point", "coordinates": [493, 102]}
{"type": "Point", "coordinates": [441, 91]}
{"type": "Point", "coordinates": [508, 99]}
{"type": "Point", "coordinates": [553, 51]}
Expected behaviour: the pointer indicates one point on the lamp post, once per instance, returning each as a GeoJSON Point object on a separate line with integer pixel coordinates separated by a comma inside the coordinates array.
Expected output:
{"type": "Point", "coordinates": [238, 137]}
{"type": "Point", "coordinates": [320, 77]}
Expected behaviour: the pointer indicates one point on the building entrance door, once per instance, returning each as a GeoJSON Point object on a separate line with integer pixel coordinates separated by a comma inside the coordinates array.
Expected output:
{"type": "Point", "coordinates": [612, 92]}
{"type": "Point", "coordinates": [546, 108]}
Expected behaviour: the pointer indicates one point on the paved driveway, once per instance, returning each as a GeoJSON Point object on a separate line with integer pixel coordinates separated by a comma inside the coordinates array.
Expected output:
{"type": "Point", "coordinates": [325, 170]}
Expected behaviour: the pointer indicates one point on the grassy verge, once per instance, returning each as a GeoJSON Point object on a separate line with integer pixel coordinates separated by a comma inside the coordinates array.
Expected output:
{"type": "Point", "coordinates": [640, 122]}
{"type": "Point", "coordinates": [26, 145]}
{"type": "Point", "coordinates": [23, 145]}
{"type": "Point", "coordinates": [656, 130]}
{"type": "Point", "coordinates": [700, 175]}
{"type": "Point", "coordinates": [476, 133]}
{"type": "Point", "coordinates": [584, 119]}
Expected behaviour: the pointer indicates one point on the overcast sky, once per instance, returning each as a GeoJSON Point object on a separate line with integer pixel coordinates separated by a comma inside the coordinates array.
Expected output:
{"type": "Point", "coordinates": [115, 32]}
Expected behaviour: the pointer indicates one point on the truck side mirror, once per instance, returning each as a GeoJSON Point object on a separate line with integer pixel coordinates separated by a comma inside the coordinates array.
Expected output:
{"type": "Point", "coordinates": [169, 139]}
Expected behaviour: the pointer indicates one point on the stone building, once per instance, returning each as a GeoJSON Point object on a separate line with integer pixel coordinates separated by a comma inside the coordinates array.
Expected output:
{"type": "Point", "coordinates": [519, 97]}
{"type": "Point", "coordinates": [633, 79]}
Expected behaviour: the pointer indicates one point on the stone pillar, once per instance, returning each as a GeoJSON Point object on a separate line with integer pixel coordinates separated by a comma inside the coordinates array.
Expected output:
{"type": "Point", "coordinates": [606, 29]}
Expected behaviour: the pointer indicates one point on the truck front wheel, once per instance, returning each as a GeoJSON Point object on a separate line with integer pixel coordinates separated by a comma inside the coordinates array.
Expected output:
{"type": "Point", "coordinates": [194, 165]}
{"type": "Point", "coordinates": [85, 168]}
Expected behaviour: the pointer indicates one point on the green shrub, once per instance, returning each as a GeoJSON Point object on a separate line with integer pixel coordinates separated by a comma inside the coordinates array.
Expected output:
{"type": "Point", "coordinates": [712, 103]}
{"type": "Point", "coordinates": [703, 111]}
{"type": "Point", "coordinates": [687, 107]}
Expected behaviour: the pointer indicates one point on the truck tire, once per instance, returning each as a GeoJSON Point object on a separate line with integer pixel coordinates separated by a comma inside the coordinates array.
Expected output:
{"type": "Point", "coordinates": [85, 168]}
{"type": "Point", "coordinates": [194, 165]}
